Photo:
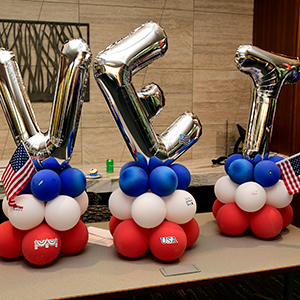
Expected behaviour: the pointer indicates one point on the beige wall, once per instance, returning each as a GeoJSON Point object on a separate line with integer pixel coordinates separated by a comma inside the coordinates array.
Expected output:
{"type": "Point", "coordinates": [197, 73]}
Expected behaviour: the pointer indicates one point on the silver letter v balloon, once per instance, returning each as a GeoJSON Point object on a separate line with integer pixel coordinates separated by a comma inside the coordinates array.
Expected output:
{"type": "Point", "coordinates": [269, 72]}
{"type": "Point", "coordinates": [60, 138]}
{"type": "Point", "coordinates": [134, 111]}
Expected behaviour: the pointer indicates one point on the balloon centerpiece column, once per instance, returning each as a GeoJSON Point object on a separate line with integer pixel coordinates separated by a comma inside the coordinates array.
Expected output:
{"type": "Point", "coordinates": [151, 209]}
{"type": "Point", "coordinates": [254, 193]}
{"type": "Point", "coordinates": [44, 199]}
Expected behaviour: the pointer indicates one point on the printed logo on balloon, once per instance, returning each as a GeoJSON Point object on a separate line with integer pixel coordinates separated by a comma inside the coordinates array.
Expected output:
{"type": "Point", "coordinates": [257, 191]}
{"type": "Point", "coordinates": [44, 199]}
{"type": "Point", "coordinates": [151, 209]}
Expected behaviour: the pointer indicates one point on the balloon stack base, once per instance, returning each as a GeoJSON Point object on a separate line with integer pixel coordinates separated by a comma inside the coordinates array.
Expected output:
{"type": "Point", "coordinates": [252, 196]}
{"type": "Point", "coordinates": [152, 211]}
{"type": "Point", "coordinates": [45, 220]}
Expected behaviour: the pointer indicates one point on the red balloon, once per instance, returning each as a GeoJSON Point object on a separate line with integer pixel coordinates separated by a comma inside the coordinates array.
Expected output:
{"type": "Point", "coordinates": [216, 206]}
{"type": "Point", "coordinates": [130, 239]}
{"type": "Point", "coordinates": [287, 214]}
{"type": "Point", "coordinates": [232, 220]}
{"type": "Point", "coordinates": [74, 239]}
{"type": "Point", "coordinates": [113, 223]}
{"type": "Point", "coordinates": [41, 245]}
{"type": "Point", "coordinates": [267, 222]}
{"type": "Point", "coordinates": [167, 241]}
{"type": "Point", "coordinates": [192, 231]}
{"type": "Point", "coordinates": [10, 240]}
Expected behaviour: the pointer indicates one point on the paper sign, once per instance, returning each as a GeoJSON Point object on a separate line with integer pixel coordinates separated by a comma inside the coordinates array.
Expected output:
{"type": "Point", "coordinates": [179, 270]}
{"type": "Point", "coordinates": [100, 236]}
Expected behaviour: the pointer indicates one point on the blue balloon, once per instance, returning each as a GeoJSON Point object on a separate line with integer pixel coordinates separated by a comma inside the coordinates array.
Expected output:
{"type": "Point", "coordinates": [241, 171]}
{"type": "Point", "coordinates": [63, 166]}
{"type": "Point", "coordinates": [142, 161]}
{"type": "Point", "coordinates": [127, 165]}
{"type": "Point", "coordinates": [50, 163]}
{"type": "Point", "coordinates": [168, 161]}
{"type": "Point", "coordinates": [276, 158]}
{"type": "Point", "coordinates": [45, 185]}
{"type": "Point", "coordinates": [38, 165]}
{"type": "Point", "coordinates": [183, 175]}
{"type": "Point", "coordinates": [27, 188]}
{"type": "Point", "coordinates": [73, 182]}
{"type": "Point", "coordinates": [134, 181]}
{"type": "Point", "coordinates": [230, 159]}
{"type": "Point", "coordinates": [266, 173]}
{"type": "Point", "coordinates": [257, 159]}
{"type": "Point", "coordinates": [154, 162]}
{"type": "Point", "coordinates": [163, 181]}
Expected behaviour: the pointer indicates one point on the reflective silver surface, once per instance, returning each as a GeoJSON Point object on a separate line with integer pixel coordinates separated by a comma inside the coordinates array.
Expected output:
{"type": "Point", "coordinates": [134, 111]}
{"type": "Point", "coordinates": [59, 140]}
{"type": "Point", "coordinates": [269, 72]}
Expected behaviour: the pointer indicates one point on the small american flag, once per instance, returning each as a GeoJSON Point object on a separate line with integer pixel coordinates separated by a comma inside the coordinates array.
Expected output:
{"type": "Point", "coordinates": [290, 173]}
{"type": "Point", "coordinates": [17, 174]}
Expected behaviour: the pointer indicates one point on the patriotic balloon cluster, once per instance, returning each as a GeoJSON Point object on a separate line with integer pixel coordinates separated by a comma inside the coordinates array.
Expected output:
{"type": "Point", "coordinates": [45, 218]}
{"type": "Point", "coordinates": [152, 210]}
{"type": "Point", "coordinates": [252, 195]}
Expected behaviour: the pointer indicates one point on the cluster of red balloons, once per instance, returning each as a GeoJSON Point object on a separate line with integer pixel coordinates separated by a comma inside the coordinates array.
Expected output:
{"type": "Point", "coordinates": [159, 216]}
{"type": "Point", "coordinates": [46, 218]}
{"type": "Point", "coordinates": [252, 195]}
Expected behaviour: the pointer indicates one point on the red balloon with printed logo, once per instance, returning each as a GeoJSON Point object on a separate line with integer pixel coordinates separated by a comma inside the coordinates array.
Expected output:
{"type": "Point", "coordinates": [130, 239]}
{"type": "Point", "coordinates": [167, 241]}
{"type": "Point", "coordinates": [41, 245]}
{"type": "Point", "coordinates": [10, 240]}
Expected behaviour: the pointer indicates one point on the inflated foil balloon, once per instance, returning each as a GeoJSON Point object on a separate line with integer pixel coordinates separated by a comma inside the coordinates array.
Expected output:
{"type": "Point", "coordinates": [269, 72]}
{"type": "Point", "coordinates": [134, 110]}
{"type": "Point", "coordinates": [59, 140]}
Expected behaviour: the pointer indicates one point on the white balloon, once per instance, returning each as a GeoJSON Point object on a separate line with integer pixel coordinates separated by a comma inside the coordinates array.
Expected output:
{"type": "Point", "coordinates": [148, 210]}
{"type": "Point", "coordinates": [250, 196]}
{"type": "Point", "coordinates": [83, 201]}
{"type": "Point", "coordinates": [225, 189]}
{"type": "Point", "coordinates": [278, 196]}
{"type": "Point", "coordinates": [181, 207]}
{"type": "Point", "coordinates": [120, 204]}
{"type": "Point", "coordinates": [62, 213]}
{"type": "Point", "coordinates": [29, 214]}
{"type": "Point", "coordinates": [5, 206]}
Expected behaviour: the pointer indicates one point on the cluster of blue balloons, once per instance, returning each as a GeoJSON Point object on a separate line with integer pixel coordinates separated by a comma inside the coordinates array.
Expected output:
{"type": "Point", "coordinates": [264, 170]}
{"type": "Point", "coordinates": [137, 177]}
{"type": "Point", "coordinates": [52, 179]}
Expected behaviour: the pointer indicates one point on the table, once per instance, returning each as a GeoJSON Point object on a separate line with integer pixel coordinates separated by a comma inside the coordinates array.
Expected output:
{"type": "Point", "coordinates": [99, 270]}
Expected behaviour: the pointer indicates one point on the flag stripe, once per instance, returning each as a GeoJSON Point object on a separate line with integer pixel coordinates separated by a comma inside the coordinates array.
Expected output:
{"type": "Point", "coordinates": [21, 181]}
{"type": "Point", "coordinates": [288, 173]}
{"type": "Point", "coordinates": [24, 174]}
{"type": "Point", "coordinates": [17, 174]}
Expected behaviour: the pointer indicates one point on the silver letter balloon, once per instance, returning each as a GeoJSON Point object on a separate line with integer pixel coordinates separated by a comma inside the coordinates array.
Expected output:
{"type": "Point", "coordinates": [59, 140]}
{"type": "Point", "coordinates": [269, 72]}
{"type": "Point", "coordinates": [134, 111]}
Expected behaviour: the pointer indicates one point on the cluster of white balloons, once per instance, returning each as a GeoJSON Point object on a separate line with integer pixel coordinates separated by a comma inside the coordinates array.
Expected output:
{"type": "Point", "coordinates": [62, 213]}
{"type": "Point", "coordinates": [251, 196]}
{"type": "Point", "coordinates": [150, 210]}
